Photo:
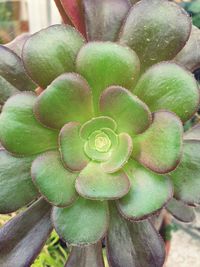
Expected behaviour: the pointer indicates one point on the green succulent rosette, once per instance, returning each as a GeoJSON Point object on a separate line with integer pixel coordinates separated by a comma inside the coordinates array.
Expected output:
{"type": "Point", "coordinates": [103, 144]}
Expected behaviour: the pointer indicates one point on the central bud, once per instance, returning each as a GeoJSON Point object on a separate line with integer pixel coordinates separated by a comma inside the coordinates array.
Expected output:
{"type": "Point", "coordinates": [102, 142]}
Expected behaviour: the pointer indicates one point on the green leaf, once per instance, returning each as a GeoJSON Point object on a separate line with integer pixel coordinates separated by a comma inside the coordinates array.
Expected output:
{"type": "Point", "coordinates": [189, 56]}
{"type": "Point", "coordinates": [12, 70]}
{"type": "Point", "coordinates": [68, 98]}
{"type": "Point", "coordinates": [90, 256]}
{"type": "Point", "coordinates": [133, 244]}
{"type": "Point", "coordinates": [156, 30]}
{"type": "Point", "coordinates": [131, 115]}
{"type": "Point", "coordinates": [159, 147]}
{"type": "Point", "coordinates": [104, 18]}
{"type": "Point", "coordinates": [96, 124]}
{"type": "Point", "coordinates": [17, 44]}
{"type": "Point", "coordinates": [193, 133]}
{"type": "Point", "coordinates": [51, 52]}
{"type": "Point", "coordinates": [181, 211]}
{"type": "Point", "coordinates": [104, 64]}
{"type": "Point", "coordinates": [148, 194]}
{"type": "Point", "coordinates": [169, 86]}
{"type": "Point", "coordinates": [94, 183]}
{"type": "Point", "coordinates": [54, 182]}
{"type": "Point", "coordinates": [71, 147]}
{"type": "Point", "coordinates": [20, 132]}
{"type": "Point", "coordinates": [186, 177]}
{"type": "Point", "coordinates": [17, 189]}
{"type": "Point", "coordinates": [84, 223]}
{"type": "Point", "coordinates": [22, 238]}
{"type": "Point", "coordinates": [6, 90]}
{"type": "Point", "coordinates": [119, 154]}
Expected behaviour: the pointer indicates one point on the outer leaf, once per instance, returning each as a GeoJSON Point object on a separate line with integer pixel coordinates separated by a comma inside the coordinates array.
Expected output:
{"type": "Point", "coordinates": [104, 18]}
{"type": "Point", "coordinates": [131, 115]}
{"type": "Point", "coordinates": [6, 90]}
{"type": "Point", "coordinates": [133, 244]}
{"type": "Point", "coordinates": [181, 211]}
{"type": "Point", "coordinates": [168, 86]}
{"type": "Point", "coordinates": [22, 238]}
{"type": "Point", "coordinates": [156, 30]}
{"type": "Point", "coordinates": [104, 64]}
{"type": "Point", "coordinates": [12, 70]}
{"type": "Point", "coordinates": [186, 177]}
{"type": "Point", "coordinates": [119, 154]}
{"type": "Point", "coordinates": [17, 44]}
{"type": "Point", "coordinates": [83, 223]}
{"type": "Point", "coordinates": [94, 183]}
{"type": "Point", "coordinates": [20, 132]}
{"type": "Point", "coordinates": [86, 256]}
{"type": "Point", "coordinates": [71, 147]}
{"type": "Point", "coordinates": [16, 185]}
{"type": "Point", "coordinates": [67, 99]}
{"type": "Point", "coordinates": [193, 133]}
{"type": "Point", "coordinates": [159, 147]}
{"type": "Point", "coordinates": [53, 181]}
{"type": "Point", "coordinates": [189, 56]}
{"type": "Point", "coordinates": [149, 192]}
{"type": "Point", "coordinates": [51, 52]}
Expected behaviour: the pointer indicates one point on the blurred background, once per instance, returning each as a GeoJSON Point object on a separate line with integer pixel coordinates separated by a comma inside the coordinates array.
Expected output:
{"type": "Point", "coordinates": [20, 16]}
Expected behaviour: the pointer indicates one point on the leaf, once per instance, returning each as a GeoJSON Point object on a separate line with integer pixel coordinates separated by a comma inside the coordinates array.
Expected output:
{"type": "Point", "coordinates": [168, 86]}
{"type": "Point", "coordinates": [104, 64]}
{"type": "Point", "coordinates": [22, 238]}
{"type": "Point", "coordinates": [104, 18]}
{"type": "Point", "coordinates": [159, 147]}
{"type": "Point", "coordinates": [131, 115]}
{"type": "Point", "coordinates": [133, 244]}
{"type": "Point", "coordinates": [181, 211]}
{"type": "Point", "coordinates": [156, 30]}
{"type": "Point", "coordinates": [6, 90]}
{"type": "Point", "coordinates": [90, 256]}
{"type": "Point", "coordinates": [17, 189]}
{"type": "Point", "coordinates": [56, 183]}
{"type": "Point", "coordinates": [148, 193]}
{"type": "Point", "coordinates": [20, 132]}
{"type": "Point", "coordinates": [68, 98]}
{"type": "Point", "coordinates": [94, 183]}
{"type": "Point", "coordinates": [83, 223]}
{"type": "Point", "coordinates": [193, 133]}
{"type": "Point", "coordinates": [17, 44]}
{"type": "Point", "coordinates": [186, 177]}
{"type": "Point", "coordinates": [51, 52]}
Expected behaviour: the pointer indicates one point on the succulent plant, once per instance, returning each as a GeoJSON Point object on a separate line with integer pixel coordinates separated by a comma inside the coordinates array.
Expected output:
{"type": "Point", "coordinates": [101, 149]}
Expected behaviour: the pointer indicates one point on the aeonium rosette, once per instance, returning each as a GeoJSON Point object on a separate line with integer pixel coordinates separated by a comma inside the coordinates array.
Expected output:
{"type": "Point", "coordinates": [105, 136]}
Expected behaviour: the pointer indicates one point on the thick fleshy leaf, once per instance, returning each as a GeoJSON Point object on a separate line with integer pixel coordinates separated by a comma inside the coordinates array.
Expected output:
{"type": "Point", "coordinates": [16, 185]}
{"type": "Point", "coordinates": [12, 70]}
{"type": "Point", "coordinates": [156, 30]}
{"type": "Point", "coordinates": [84, 223]}
{"type": "Point", "coordinates": [133, 244]}
{"type": "Point", "coordinates": [54, 182]}
{"type": "Point", "coordinates": [20, 132]}
{"type": "Point", "coordinates": [131, 115]}
{"type": "Point", "coordinates": [96, 124]}
{"type": "Point", "coordinates": [104, 64]}
{"type": "Point", "coordinates": [189, 56]}
{"type": "Point", "coordinates": [67, 99]}
{"type": "Point", "coordinates": [104, 18]}
{"type": "Point", "coordinates": [90, 256]}
{"type": "Point", "coordinates": [22, 238]}
{"type": "Point", "coordinates": [159, 147]}
{"type": "Point", "coordinates": [186, 177]}
{"type": "Point", "coordinates": [181, 211]}
{"type": "Point", "coordinates": [51, 52]}
{"type": "Point", "coordinates": [119, 154]}
{"type": "Point", "coordinates": [193, 133]}
{"type": "Point", "coordinates": [148, 194]}
{"type": "Point", "coordinates": [6, 90]}
{"type": "Point", "coordinates": [71, 11]}
{"type": "Point", "coordinates": [17, 44]}
{"type": "Point", "coordinates": [94, 183]}
{"type": "Point", "coordinates": [71, 147]}
{"type": "Point", "coordinates": [170, 87]}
